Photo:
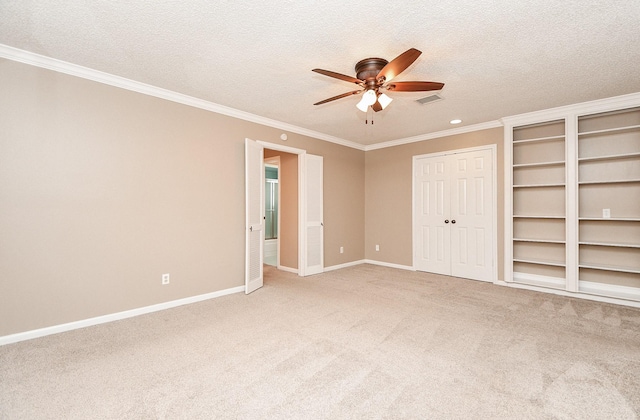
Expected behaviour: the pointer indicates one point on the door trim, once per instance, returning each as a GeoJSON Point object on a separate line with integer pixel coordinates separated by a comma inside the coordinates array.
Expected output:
{"type": "Point", "coordinates": [494, 202]}
{"type": "Point", "coordinates": [302, 236]}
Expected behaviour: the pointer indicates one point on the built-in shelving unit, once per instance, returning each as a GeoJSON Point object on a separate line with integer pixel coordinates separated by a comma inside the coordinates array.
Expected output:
{"type": "Point", "coordinates": [573, 199]}
{"type": "Point", "coordinates": [609, 203]}
{"type": "Point", "coordinates": [539, 204]}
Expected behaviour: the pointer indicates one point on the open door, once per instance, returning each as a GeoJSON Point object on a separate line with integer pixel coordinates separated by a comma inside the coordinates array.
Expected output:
{"type": "Point", "coordinates": [313, 243]}
{"type": "Point", "coordinates": [254, 199]}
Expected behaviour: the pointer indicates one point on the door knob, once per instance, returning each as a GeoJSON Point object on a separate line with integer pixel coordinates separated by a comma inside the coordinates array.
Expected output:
{"type": "Point", "coordinates": [447, 221]}
{"type": "Point", "coordinates": [453, 222]}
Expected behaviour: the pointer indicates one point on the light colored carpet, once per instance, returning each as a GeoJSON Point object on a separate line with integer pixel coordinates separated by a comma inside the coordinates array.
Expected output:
{"type": "Point", "coordinates": [365, 342]}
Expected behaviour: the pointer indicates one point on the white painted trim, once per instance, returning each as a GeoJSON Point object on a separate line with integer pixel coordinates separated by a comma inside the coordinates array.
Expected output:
{"type": "Point", "coordinates": [584, 108]}
{"type": "Point", "coordinates": [610, 290]}
{"type": "Point", "coordinates": [41, 332]}
{"type": "Point", "coordinates": [437, 134]}
{"type": "Point", "coordinates": [456, 151]}
{"type": "Point", "coordinates": [345, 265]}
{"type": "Point", "coordinates": [561, 292]}
{"type": "Point", "coordinates": [390, 265]}
{"type": "Point", "coordinates": [493, 148]}
{"type": "Point", "coordinates": [60, 66]}
{"type": "Point", "coordinates": [281, 148]}
{"type": "Point", "coordinates": [301, 194]}
{"type": "Point", "coordinates": [288, 269]}
{"type": "Point", "coordinates": [571, 203]}
{"type": "Point", "coordinates": [508, 203]}
{"type": "Point", "coordinates": [538, 280]}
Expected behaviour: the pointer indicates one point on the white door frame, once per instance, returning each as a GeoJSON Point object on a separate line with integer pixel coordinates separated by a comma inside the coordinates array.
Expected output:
{"type": "Point", "coordinates": [494, 201]}
{"type": "Point", "coordinates": [302, 237]}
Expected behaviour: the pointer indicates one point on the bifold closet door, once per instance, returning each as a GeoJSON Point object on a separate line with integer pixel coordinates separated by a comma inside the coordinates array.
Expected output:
{"type": "Point", "coordinates": [453, 199]}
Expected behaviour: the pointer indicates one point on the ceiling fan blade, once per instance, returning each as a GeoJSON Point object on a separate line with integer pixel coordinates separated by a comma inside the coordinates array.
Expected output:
{"type": "Point", "coordinates": [344, 95]}
{"type": "Point", "coordinates": [376, 107]}
{"type": "Point", "coordinates": [399, 64]}
{"type": "Point", "coordinates": [414, 86]}
{"type": "Point", "coordinates": [339, 76]}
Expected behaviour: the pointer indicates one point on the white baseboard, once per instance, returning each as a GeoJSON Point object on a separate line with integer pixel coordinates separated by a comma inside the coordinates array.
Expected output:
{"type": "Point", "coordinates": [345, 265]}
{"type": "Point", "coordinates": [41, 332]}
{"type": "Point", "coordinates": [605, 299]}
{"type": "Point", "coordinates": [392, 265]}
{"type": "Point", "coordinates": [538, 280]}
{"type": "Point", "coordinates": [610, 290]}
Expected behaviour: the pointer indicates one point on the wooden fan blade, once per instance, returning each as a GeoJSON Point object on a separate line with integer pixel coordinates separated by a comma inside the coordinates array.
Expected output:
{"type": "Point", "coordinates": [376, 107]}
{"type": "Point", "coordinates": [414, 86]}
{"type": "Point", "coordinates": [398, 64]}
{"type": "Point", "coordinates": [344, 95]}
{"type": "Point", "coordinates": [339, 76]}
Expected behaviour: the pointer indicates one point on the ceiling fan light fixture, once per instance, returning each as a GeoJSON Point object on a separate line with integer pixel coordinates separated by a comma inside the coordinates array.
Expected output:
{"type": "Point", "coordinates": [368, 98]}
{"type": "Point", "coordinates": [362, 106]}
{"type": "Point", "coordinates": [384, 100]}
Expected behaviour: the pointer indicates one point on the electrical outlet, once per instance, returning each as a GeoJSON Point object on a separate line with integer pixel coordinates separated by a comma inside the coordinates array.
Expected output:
{"type": "Point", "coordinates": [606, 213]}
{"type": "Point", "coordinates": [165, 278]}
{"type": "Point", "coordinates": [377, 247]}
{"type": "Point", "coordinates": [342, 250]}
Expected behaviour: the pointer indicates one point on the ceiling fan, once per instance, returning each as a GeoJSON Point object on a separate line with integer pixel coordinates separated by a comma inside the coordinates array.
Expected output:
{"type": "Point", "coordinates": [374, 75]}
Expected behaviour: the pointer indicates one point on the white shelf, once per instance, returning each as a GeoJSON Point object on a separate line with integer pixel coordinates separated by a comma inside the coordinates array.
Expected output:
{"type": "Point", "coordinates": [538, 185]}
{"type": "Point", "coordinates": [515, 216]}
{"type": "Point", "coordinates": [607, 157]}
{"type": "Point", "coordinates": [553, 163]}
{"type": "Point", "coordinates": [540, 262]}
{"type": "Point", "coordinates": [605, 267]}
{"type": "Point", "coordinates": [610, 219]}
{"type": "Point", "coordinates": [539, 139]}
{"type": "Point", "coordinates": [610, 130]}
{"type": "Point", "coordinates": [613, 181]}
{"type": "Point", "coordinates": [621, 245]}
{"type": "Point", "coordinates": [542, 241]}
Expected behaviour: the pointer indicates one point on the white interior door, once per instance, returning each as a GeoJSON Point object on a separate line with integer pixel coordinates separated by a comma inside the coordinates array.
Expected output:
{"type": "Point", "coordinates": [312, 210]}
{"type": "Point", "coordinates": [254, 198]}
{"type": "Point", "coordinates": [471, 218]}
{"type": "Point", "coordinates": [453, 214]}
{"type": "Point", "coordinates": [431, 210]}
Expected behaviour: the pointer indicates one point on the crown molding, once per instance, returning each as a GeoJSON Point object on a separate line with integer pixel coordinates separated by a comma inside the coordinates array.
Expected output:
{"type": "Point", "coordinates": [583, 108]}
{"type": "Point", "coordinates": [435, 135]}
{"type": "Point", "coordinates": [37, 60]}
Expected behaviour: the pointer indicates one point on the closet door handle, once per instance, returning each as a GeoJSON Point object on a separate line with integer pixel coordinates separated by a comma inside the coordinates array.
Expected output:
{"type": "Point", "coordinates": [453, 222]}
{"type": "Point", "coordinates": [447, 221]}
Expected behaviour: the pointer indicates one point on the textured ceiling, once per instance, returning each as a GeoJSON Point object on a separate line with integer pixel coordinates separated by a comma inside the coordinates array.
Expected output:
{"type": "Point", "coordinates": [496, 58]}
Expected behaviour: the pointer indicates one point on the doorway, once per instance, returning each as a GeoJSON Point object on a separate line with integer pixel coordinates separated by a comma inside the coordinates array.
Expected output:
{"type": "Point", "coordinates": [454, 214]}
{"type": "Point", "coordinates": [272, 200]}
{"type": "Point", "coordinates": [310, 226]}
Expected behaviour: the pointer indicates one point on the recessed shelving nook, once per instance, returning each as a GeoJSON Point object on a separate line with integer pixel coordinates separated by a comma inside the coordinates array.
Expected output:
{"type": "Point", "coordinates": [538, 192]}
{"type": "Point", "coordinates": [572, 200]}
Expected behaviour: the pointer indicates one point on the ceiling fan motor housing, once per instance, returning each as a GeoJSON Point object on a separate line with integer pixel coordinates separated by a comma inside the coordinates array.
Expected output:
{"type": "Point", "coordinates": [368, 70]}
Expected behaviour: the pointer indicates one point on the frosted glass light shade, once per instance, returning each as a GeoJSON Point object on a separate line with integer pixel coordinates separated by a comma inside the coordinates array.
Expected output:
{"type": "Point", "coordinates": [368, 98]}
{"type": "Point", "coordinates": [384, 100]}
{"type": "Point", "coordinates": [362, 106]}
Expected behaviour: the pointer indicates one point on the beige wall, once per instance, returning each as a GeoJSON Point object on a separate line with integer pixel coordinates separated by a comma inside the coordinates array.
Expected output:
{"type": "Point", "coordinates": [288, 184]}
{"type": "Point", "coordinates": [389, 197]}
{"type": "Point", "coordinates": [102, 190]}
